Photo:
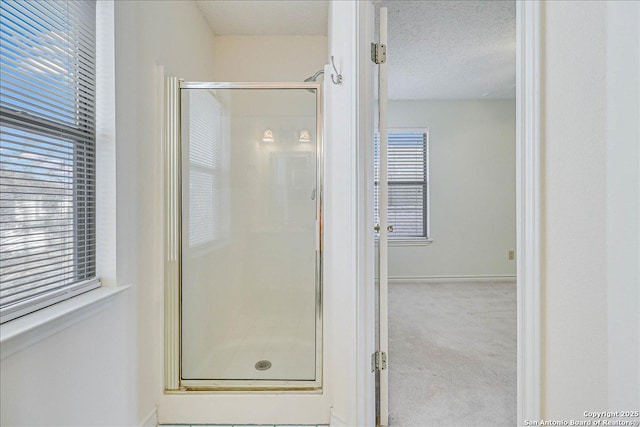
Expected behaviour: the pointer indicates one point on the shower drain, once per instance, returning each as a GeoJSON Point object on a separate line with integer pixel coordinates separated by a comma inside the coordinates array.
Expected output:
{"type": "Point", "coordinates": [263, 365]}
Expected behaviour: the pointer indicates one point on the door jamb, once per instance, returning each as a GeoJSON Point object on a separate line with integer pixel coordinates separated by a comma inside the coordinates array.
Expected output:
{"type": "Point", "coordinates": [528, 208]}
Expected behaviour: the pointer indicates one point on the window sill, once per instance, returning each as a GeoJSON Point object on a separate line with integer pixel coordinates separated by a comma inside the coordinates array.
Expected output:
{"type": "Point", "coordinates": [408, 242]}
{"type": "Point", "coordinates": [20, 333]}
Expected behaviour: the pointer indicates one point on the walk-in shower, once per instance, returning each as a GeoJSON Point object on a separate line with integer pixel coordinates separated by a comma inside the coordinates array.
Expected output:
{"type": "Point", "coordinates": [243, 285]}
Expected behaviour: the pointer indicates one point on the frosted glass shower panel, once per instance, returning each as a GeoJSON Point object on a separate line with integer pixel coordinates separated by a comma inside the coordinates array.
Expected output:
{"type": "Point", "coordinates": [250, 235]}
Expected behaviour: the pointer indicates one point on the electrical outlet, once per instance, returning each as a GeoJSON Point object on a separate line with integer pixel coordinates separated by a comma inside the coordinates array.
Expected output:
{"type": "Point", "coordinates": [512, 254]}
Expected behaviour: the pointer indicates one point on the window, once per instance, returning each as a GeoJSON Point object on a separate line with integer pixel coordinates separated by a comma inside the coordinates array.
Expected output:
{"type": "Point", "coordinates": [205, 165]}
{"type": "Point", "coordinates": [47, 153]}
{"type": "Point", "coordinates": [408, 178]}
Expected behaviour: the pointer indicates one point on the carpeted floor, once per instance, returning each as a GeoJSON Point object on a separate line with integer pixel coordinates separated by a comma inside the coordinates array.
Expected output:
{"type": "Point", "coordinates": [452, 354]}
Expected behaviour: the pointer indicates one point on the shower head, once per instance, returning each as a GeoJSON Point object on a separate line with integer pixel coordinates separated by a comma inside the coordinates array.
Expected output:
{"type": "Point", "coordinates": [314, 77]}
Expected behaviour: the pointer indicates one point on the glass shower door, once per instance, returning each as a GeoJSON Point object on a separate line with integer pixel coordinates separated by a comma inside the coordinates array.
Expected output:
{"type": "Point", "coordinates": [250, 247]}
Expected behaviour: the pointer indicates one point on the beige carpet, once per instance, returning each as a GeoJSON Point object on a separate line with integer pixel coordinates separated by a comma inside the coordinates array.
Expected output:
{"type": "Point", "coordinates": [452, 354]}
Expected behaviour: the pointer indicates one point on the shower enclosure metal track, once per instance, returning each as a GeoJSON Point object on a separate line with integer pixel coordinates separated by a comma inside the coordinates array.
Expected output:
{"type": "Point", "coordinates": [173, 378]}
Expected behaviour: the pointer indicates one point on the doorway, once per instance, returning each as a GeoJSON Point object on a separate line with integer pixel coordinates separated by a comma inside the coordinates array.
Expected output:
{"type": "Point", "coordinates": [470, 118]}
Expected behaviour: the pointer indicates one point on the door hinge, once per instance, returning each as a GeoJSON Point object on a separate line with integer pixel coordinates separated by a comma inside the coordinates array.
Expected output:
{"type": "Point", "coordinates": [378, 361]}
{"type": "Point", "coordinates": [378, 53]}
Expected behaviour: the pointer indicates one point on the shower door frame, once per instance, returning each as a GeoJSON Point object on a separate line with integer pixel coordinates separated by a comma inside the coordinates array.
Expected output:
{"type": "Point", "coordinates": [173, 381]}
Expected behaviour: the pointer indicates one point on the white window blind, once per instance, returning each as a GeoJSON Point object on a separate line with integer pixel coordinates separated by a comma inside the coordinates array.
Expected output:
{"type": "Point", "coordinates": [205, 166]}
{"type": "Point", "coordinates": [408, 179]}
{"type": "Point", "coordinates": [47, 153]}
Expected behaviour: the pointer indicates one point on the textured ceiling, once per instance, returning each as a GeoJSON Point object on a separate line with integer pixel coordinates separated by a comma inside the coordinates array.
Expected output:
{"type": "Point", "coordinates": [451, 49]}
{"type": "Point", "coordinates": [437, 49]}
{"type": "Point", "coordinates": [266, 17]}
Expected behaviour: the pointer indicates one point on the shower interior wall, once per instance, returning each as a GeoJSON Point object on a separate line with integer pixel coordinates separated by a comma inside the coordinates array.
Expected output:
{"type": "Point", "coordinates": [284, 58]}
{"type": "Point", "coordinates": [249, 283]}
{"type": "Point", "coordinates": [242, 325]}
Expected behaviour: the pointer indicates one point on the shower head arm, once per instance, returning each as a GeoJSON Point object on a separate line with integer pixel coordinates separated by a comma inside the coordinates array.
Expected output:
{"type": "Point", "coordinates": [314, 77]}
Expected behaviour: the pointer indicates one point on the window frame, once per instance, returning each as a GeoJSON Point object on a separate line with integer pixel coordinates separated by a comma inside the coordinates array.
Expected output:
{"type": "Point", "coordinates": [21, 313]}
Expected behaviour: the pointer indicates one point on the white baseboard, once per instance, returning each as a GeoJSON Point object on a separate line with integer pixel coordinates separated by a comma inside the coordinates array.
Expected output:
{"type": "Point", "coordinates": [150, 420]}
{"type": "Point", "coordinates": [502, 278]}
{"type": "Point", "coordinates": [336, 421]}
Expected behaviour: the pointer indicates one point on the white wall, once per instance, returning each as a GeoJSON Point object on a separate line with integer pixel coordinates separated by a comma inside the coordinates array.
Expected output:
{"type": "Point", "coordinates": [175, 35]}
{"type": "Point", "coordinates": [623, 203]}
{"type": "Point", "coordinates": [268, 58]}
{"type": "Point", "coordinates": [472, 184]}
{"type": "Point", "coordinates": [81, 376]}
{"type": "Point", "coordinates": [341, 222]}
{"type": "Point", "coordinates": [574, 209]}
{"type": "Point", "coordinates": [590, 178]}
